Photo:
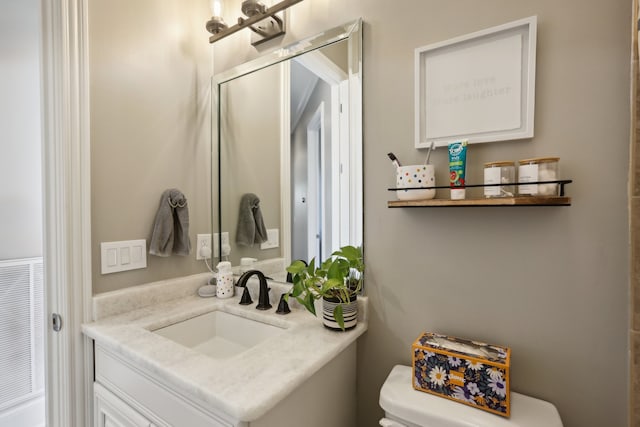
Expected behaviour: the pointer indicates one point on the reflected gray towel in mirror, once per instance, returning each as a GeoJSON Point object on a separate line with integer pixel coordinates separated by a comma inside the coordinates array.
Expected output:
{"type": "Point", "coordinates": [171, 227]}
{"type": "Point", "coordinates": [251, 227]}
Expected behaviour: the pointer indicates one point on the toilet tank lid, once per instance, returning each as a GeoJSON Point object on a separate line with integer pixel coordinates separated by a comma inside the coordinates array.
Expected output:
{"type": "Point", "coordinates": [399, 399]}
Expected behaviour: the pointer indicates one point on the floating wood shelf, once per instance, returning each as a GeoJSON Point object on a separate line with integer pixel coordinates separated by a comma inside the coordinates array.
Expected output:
{"type": "Point", "coordinates": [560, 200]}
{"type": "Point", "coordinates": [498, 201]}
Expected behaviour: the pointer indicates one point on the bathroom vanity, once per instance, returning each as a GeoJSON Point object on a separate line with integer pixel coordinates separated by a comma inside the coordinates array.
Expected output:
{"type": "Point", "coordinates": [259, 368]}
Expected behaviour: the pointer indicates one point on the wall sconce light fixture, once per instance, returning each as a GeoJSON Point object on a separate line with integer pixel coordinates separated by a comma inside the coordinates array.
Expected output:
{"type": "Point", "coordinates": [265, 23]}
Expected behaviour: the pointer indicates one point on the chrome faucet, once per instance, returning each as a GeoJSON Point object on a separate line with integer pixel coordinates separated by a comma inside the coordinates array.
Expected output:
{"type": "Point", "coordinates": [263, 297]}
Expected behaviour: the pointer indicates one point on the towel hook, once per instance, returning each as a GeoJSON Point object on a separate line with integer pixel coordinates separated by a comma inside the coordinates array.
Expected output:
{"type": "Point", "coordinates": [176, 204]}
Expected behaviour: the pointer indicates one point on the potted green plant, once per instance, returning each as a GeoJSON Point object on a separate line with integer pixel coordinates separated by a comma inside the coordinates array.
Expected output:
{"type": "Point", "coordinates": [337, 280]}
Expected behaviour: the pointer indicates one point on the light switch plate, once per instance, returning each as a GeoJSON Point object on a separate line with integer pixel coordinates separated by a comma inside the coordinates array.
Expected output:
{"type": "Point", "coordinates": [273, 239]}
{"type": "Point", "coordinates": [122, 256]}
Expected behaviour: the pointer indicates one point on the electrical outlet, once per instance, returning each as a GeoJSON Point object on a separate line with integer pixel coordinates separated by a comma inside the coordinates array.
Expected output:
{"type": "Point", "coordinates": [273, 239]}
{"type": "Point", "coordinates": [203, 246]}
{"type": "Point", "coordinates": [226, 247]}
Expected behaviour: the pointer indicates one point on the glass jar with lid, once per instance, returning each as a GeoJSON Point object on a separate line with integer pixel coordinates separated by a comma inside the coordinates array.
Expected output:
{"type": "Point", "coordinates": [499, 173]}
{"type": "Point", "coordinates": [538, 170]}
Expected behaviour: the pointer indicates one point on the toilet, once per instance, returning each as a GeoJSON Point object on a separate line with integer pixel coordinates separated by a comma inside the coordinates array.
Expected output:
{"type": "Point", "coordinates": [406, 407]}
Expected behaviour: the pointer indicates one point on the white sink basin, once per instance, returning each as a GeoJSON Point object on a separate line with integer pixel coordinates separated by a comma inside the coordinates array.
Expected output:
{"type": "Point", "coordinates": [219, 334]}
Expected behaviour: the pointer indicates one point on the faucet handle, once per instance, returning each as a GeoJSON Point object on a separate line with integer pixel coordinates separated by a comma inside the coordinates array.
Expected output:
{"type": "Point", "coordinates": [246, 297]}
{"type": "Point", "coordinates": [283, 306]}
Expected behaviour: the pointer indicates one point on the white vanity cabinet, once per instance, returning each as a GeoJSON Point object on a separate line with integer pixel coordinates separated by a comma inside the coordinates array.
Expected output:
{"type": "Point", "coordinates": [112, 412]}
{"type": "Point", "coordinates": [127, 396]}
{"type": "Point", "coordinates": [144, 378]}
{"type": "Point", "coordinates": [149, 402]}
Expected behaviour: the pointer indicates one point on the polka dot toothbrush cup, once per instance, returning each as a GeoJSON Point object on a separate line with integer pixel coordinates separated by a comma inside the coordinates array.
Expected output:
{"type": "Point", "coordinates": [412, 178]}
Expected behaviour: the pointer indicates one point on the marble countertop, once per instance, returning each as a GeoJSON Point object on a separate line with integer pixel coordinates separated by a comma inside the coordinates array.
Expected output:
{"type": "Point", "coordinates": [245, 386]}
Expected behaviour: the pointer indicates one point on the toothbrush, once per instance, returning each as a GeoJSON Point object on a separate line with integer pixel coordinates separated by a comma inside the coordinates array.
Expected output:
{"type": "Point", "coordinates": [394, 160]}
{"type": "Point", "coordinates": [431, 148]}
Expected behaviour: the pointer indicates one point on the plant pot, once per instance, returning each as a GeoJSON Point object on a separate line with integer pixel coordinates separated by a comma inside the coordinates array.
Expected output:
{"type": "Point", "coordinates": [349, 312]}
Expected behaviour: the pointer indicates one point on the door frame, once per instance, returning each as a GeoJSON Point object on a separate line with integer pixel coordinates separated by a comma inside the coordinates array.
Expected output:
{"type": "Point", "coordinates": [67, 211]}
{"type": "Point", "coordinates": [315, 184]}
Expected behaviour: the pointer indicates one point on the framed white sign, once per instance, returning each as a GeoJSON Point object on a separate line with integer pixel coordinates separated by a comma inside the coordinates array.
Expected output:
{"type": "Point", "coordinates": [479, 87]}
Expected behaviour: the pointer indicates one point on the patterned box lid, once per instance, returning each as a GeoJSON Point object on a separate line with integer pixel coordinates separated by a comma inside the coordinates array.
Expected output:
{"type": "Point", "coordinates": [466, 348]}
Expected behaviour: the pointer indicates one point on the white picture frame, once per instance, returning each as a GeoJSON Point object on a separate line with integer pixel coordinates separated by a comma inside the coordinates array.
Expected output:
{"type": "Point", "coordinates": [479, 87]}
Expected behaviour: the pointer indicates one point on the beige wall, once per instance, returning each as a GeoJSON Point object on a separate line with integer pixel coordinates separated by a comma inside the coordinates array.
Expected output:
{"type": "Point", "coordinates": [552, 283]}
{"type": "Point", "coordinates": [634, 193]}
{"type": "Point", "coordinates": [150, 67]}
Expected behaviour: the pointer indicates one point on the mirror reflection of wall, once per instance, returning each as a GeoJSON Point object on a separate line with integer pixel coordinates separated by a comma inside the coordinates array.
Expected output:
{"type": "Point", "coordinates": [290, 133]}
{"type": "Point", "coordinates": [250, 154]}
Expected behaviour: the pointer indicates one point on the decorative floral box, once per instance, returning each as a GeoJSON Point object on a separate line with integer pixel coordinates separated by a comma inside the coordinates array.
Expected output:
{"type": "Point", "coordinates": [469, 372]}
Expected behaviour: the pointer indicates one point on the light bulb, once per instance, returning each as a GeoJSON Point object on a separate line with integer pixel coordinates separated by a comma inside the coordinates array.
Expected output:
{"type": "Point", "coordinates": [216, 24]}
{"type": "Point", "coordinates": [216, 7]}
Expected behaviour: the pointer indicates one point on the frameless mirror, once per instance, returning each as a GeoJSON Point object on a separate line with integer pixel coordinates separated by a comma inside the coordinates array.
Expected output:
{"type": "Point", "coordinates": [289, 134]}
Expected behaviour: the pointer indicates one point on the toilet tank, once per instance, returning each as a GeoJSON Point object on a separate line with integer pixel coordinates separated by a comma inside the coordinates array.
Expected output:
{"type": "Point", "coordinates": [405, 406]}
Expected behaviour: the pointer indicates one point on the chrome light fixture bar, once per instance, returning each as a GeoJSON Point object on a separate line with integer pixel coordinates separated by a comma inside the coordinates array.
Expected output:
{"type": "Point", "coordinates": [256, 12]}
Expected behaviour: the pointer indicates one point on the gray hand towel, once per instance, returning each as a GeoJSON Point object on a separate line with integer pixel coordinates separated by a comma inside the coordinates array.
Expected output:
{"type": "Point", "coordinates": [171, 226]}
{"type": "Point", "coordinates": [251, 227]}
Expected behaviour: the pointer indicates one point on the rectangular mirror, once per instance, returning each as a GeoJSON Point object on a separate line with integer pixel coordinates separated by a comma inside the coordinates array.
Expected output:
{"type": "Point", "coordinates": [289, 134]}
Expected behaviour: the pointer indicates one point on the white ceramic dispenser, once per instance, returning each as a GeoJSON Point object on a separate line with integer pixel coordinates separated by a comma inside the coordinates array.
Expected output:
{"type": "Point", "coordinates": [224, 285]}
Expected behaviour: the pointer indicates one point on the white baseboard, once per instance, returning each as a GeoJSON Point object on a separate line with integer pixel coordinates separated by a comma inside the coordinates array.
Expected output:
{"type": "Point", "coordinates": [28, 414]}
